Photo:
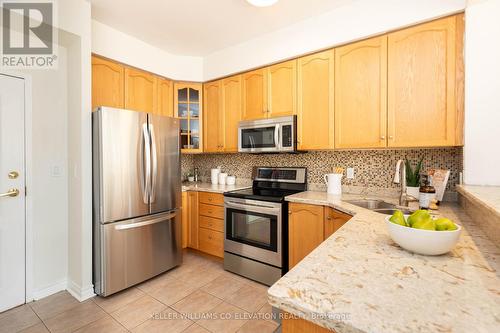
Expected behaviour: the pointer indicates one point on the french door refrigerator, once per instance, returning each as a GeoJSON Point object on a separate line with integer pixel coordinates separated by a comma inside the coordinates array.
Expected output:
{"type": "Point", "coordinates": [136, 197]}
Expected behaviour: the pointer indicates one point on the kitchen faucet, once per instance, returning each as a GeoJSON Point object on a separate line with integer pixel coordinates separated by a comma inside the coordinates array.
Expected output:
{"type": "Point", "coordinates": [400, 177]}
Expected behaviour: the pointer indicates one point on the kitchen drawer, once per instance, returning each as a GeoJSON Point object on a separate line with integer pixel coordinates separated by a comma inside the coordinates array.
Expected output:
{"type": "Point", "coordinates": [211, 211]}
{"type": "Point", "coordinates": [211, 223]}
{"type": "Point", "coordinates": [211, 198]}
{"type": "Point", "coordinates": [211, 242]}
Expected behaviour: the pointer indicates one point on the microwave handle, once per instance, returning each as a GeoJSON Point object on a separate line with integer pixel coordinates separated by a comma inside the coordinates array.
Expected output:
{"type": "Point", "coordinates": [277, 135]}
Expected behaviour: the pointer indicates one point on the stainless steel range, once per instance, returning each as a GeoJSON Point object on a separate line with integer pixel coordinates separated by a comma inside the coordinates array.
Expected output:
{"type": "Point", "coordinates": [256, 223]}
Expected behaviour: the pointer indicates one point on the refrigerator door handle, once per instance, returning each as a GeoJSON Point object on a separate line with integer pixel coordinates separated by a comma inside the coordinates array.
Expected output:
{"type": "Point", "coordinates": [154, 160]}
{"type": "Point", "coordinates": [146, 163]}
{"type": "Point", "coordinates": [145, 223]}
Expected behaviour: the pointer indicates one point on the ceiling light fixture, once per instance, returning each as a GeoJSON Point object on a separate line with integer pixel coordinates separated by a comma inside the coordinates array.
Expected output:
{"type": "Point", "coordinates": [262, 3]}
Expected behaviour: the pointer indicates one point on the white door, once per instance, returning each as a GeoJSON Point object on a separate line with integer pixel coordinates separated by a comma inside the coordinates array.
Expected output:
{"type": "Point", "coordinates": [12, 195]}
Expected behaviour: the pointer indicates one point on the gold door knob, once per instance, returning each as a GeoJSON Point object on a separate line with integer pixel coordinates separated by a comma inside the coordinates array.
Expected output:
{"type": "Point", "coordinates": [13, 192]}
{"type": "Point", "coordinates": [13, 174]}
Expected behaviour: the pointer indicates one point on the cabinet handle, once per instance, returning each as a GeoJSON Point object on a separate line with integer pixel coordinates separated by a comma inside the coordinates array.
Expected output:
{"type": "Point", "coordinates": [382, 137]}
{"type": "Point", "coordinates": [391, 137]}
{"type": "Point", "coordinates": [329, 218]}
{"type": "Point", "coordinates": [290, 212]}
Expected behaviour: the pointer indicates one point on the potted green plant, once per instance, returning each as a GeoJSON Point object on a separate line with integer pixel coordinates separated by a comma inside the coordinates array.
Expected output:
{"type": "Point", "coordinates": [413, 178]}
{"type": "Point", "coordinates": [190, 177]}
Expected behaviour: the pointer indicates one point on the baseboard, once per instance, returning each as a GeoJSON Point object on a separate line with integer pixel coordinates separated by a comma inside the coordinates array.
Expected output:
{"type": "Point", "coordinates": [50, 290]}
{"type": "Point", "coordinates": [81, 294]}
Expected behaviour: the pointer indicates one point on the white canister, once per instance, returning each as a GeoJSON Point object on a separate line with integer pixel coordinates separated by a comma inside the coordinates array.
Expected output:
{"type": "Point", "coordinates": [214, 176]}
{"type": "Point", "coordinates": [414, 191]}
{"type": "Point", "coordinates": [230, 180]}
{"type": "Point", "coordinates": [333, 182]}
{"type": "Point", "coordinates": [222, 178]}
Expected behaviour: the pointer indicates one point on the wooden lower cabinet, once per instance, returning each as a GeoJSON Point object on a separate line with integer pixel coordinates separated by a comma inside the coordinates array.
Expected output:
{"type": "Point", "coordinates": [211, 242]}
{"type": "Point", "coordinates": [334, 220]}
{"type": "Point", "coordinates": [309, 226]}
{"type": "Point", "coordinates": [185, 220]}
{"type": "Point", "coordinates": [292, 324]}
{"type": "Point", "coordinates": [192, 198]}
{"type": "Point", "coordinates": [206, 225]}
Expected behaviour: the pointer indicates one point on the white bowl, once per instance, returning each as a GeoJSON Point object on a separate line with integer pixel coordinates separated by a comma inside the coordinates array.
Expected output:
{"type": "Point", "coordinates": [428, 242]}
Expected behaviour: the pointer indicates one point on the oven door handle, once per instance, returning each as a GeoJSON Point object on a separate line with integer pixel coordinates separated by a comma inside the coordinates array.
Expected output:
{"type": "Point", "coordinates": [246, 206]}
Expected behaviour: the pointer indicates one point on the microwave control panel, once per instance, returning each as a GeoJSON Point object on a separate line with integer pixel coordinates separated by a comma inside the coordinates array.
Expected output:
{"type": "Point", "coordinates": [286, 136]}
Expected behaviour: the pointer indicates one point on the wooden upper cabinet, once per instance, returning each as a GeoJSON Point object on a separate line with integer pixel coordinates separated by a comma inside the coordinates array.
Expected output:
{"type": "Point", "coordinates": [107, 83]}
{"type": "Point", "coordinates": [421, 85]}
{"type": "Point", "coordinates": [306, 230]}
{"type": "Point", "coordinates": [254, 94]}
{"type": "Point", "coordinates": [361, 94]}
{"type": "Point", "coordinates": [213, 129]}
{"type": "Point", "coordinates": [140, 90]}
{"type": "Point", "coordinates": [165, 104]}
{"type": "Point", "coordinates": [231, 105]}
{"type": "Point", "coordinates": [188, 107]}
{"type": "Point", "coordinates": [282, 87]}
{"type": "Point", "coordinates": [315, 101]}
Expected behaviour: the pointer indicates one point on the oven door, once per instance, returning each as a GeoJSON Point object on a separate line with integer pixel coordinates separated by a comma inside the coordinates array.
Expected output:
{"type": "Point", "coordinates": [253, 230]}
{"type": "Point", "coordinates": [259, 138]}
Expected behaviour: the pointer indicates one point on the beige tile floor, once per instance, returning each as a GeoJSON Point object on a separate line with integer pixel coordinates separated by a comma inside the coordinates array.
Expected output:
{"type": "Point", "coordinates": [199, 296]}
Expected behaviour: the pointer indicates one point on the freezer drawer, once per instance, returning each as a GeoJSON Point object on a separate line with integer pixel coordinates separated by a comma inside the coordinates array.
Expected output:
{"type": "Point", "coordinates": [135, 250]}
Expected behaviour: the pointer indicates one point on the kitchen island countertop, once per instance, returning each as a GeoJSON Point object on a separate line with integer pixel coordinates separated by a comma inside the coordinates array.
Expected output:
{"type": "Point", "coordinates": [359, 280]}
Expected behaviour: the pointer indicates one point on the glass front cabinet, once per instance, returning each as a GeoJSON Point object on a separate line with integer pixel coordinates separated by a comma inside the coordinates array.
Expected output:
{"type": "Point", "coordinates": [188, 109]}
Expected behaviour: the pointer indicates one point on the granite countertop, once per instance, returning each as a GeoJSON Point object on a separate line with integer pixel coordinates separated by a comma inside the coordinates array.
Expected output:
{"type": "Point", "coordinates": [359, 280]}
{"type": "Point", "coordinates": [209, 187]}
{"type": "Point", "coordinates": [488, 196]}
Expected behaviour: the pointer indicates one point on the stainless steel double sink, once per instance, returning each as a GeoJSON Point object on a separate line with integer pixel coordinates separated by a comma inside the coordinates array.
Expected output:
{"type": "Point", "coordinates": [378, 206]}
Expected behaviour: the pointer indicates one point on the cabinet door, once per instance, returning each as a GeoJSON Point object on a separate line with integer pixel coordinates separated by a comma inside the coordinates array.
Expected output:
{"type": "Point", "coordinates": [213, 123]}
{"type": "Point", "coordinates": [254, 94]}
{"type": "Point", "coordinates": [140, 90]}
{"type": "Point", "coordinates": [315, 101]}
{"type": "Point", "coordinates": [361, 94]}
{"type": "Point", "coordinates": [107, 83]}
{"type": "Point", "coordinates": [165, 105]}
{"type": "Point", "coordinates": [188, 102]}
{"type": "Point", "coordinates": [282, 87]}
{"type": "Point", "coordinates": [334, 220]}
{"type": "Point", "coordinates": [421, 85]}
{"type": "Point", "coordinates": [193, 220]}
{"type": "Point", "coordinates": [231, 105]}
{"type": "Point", "coordinates": [185, 219]}
{"type": "Point", "coordinates": [306, 229]}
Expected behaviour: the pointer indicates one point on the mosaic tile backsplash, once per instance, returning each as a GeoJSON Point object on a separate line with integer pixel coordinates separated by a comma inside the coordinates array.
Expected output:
{"type": "Point", "coordinates": [372, 168]}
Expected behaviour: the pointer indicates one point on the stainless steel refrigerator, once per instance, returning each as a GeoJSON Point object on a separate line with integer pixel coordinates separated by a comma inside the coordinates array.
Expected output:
{"type": "Point", "coordinates": [136, 197]}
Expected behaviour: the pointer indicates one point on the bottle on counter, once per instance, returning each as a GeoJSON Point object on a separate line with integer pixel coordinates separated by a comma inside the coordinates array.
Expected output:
{"type": "Point", "coordinates": [427, 194]}
{"type": "Point", "coordinates": [196, 174]}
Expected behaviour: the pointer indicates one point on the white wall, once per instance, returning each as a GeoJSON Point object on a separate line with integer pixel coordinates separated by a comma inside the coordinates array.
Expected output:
{"type": "Point", "coordinates": [482, 86]}
{"type": "Point", "coordinates": [59, 247]}
{"type": "Point", "coordinates": [48, 193]}
{"type": "Point", "coordinates": [116, 45]}
{"type": "Point", "coordinates": [356, 20]}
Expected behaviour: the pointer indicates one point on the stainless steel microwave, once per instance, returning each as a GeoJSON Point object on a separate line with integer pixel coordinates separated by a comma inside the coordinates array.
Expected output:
{"type": "Point", "coordinates": [273, 135]}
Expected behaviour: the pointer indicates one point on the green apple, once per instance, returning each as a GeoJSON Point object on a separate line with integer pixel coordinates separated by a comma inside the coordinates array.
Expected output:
{"type": "Point", "coordinates": [417, 216]}
{"type": "Point", "coordinates": [425, 223]}
{"type": "Point", "coordinates": [443, 224]}
{"type": "Point", "coordinates": [398, 218]}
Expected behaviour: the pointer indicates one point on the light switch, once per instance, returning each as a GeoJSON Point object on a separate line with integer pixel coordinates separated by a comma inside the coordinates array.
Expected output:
{"type": "Point", "coordinates": [55, 171]}
{"type": "Point", "coordinates": [350, 173]}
